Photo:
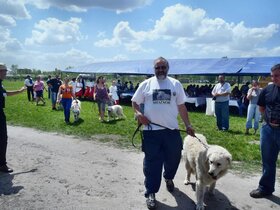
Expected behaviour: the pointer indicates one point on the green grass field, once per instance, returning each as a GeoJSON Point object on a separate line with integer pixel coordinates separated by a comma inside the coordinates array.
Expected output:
{"type": "Point", "coordinates": [244, 148]}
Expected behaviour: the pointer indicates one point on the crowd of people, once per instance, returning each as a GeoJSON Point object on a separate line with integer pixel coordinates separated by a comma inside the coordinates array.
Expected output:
{"type": "Point", "coordinates": [199, 91]}
{"type": "Point", "coordinates": [92, 90]}
{"type": "Point", "coordinates": [164, 94]}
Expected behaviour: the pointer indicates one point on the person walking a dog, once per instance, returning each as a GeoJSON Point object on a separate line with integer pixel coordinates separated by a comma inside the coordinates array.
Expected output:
{"type": "Point", "coordinates": [221, 93]}
{"type": "Point", "coordinates": [65, 95]}
{"type": "Point", "coordinates": [3, 124]}
{"type": "Point", "coordinates": [164, 98]}
{"type": "Point", "coordinates": [269, 105]}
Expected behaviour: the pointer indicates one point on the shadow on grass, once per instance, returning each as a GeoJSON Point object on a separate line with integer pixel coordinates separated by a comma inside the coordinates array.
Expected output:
{"type": "Point", "coordinates": [76, 123]}
{"type": "Point", "coordinates": [112, 121]}
{"type": "Point", "coordinates": [235, 132]}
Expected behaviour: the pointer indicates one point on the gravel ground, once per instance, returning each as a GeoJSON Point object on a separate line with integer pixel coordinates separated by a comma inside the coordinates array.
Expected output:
{"type": "Point", "coordinates": [53, 171]}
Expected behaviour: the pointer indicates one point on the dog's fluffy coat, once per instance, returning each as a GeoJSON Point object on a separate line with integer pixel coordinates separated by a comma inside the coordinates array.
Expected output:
{"type": "Point", "coordinates": [76, 109]}
{"type": "Point", "coordinates": [207, 162]}
{"type": "Point", "coordinates": [115, 112]}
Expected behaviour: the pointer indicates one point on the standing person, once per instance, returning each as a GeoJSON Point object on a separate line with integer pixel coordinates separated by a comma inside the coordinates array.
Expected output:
{"type": "Point", "coordinates": [244, 88]}
{"type": "Point", "coordinates": [3, 125]}
{"type": "Point", "coordinates": [65, 95]}
{"type": "Point", "coordinates": [79, 87]}
{"type": "Point", "coordinates": [54, 85]}
{"type": "Point", "coordinates": [114, 91]}
{"type": "Point", "coordinates": [101, 96]}
{"type": "Point", "coordinates": [49, 87]}
{"type": "Point", "coordinates": [221, 93]}
{"type": "Point", "coordinates": [89, 89]}
{"type": "Point", "coordinates": [29, 85]}
{"type": "Point", "coordinates": [164, 98]}
{"type": "Point", "coordinates": [253, 109]}
{"type": "Point", "coordinates": [39, 87]}
{"type": "Point", "coordinates": [269, 103]}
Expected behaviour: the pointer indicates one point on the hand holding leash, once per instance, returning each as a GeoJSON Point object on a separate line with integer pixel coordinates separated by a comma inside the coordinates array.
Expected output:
{"type": "Point", "coordinates": [190, 131]}
{"type": "Point", "coordinates": [143, 119]}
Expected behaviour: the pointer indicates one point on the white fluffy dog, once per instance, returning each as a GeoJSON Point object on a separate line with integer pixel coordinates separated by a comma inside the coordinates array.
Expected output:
{"type": "Point", "coordinates": [115, 112]}
{"type": "Point", "coordinates": [207, 162]}
{"type": "Point", "coordinates": [76, 109]}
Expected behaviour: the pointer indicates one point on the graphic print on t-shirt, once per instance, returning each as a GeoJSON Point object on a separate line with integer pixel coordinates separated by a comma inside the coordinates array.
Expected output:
{"type": "Point", "coordinates": [161, 96]}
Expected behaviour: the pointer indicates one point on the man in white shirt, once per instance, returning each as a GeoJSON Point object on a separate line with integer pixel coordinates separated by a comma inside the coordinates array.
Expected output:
{"type": "Point", "coordinates": [163, 98]}
{"type": "Point", "coordinates": [221, 93]}
{"type": "Point", "coordinates": [29, 84]}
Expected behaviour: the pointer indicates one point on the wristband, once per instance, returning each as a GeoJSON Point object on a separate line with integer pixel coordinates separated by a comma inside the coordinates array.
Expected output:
{"type": "Point", "coordinates": [189, 126]}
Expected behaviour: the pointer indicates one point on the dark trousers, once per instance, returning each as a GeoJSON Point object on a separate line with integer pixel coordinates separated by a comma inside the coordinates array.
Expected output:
{"type": "Point", "coordinates": [30, 93]}
{"type": "Point", "coordinates": [3, 138]}
{"type": "Point", "coordinates": [162, 150]}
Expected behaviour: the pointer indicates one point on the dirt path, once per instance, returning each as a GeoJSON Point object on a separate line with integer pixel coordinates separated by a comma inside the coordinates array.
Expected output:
{"type": "Point", "coordinates": [61, 172]}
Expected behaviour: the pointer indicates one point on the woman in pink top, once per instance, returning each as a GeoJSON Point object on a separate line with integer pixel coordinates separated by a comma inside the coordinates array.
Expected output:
{"type": "Point", "coordinates": [39, 86]}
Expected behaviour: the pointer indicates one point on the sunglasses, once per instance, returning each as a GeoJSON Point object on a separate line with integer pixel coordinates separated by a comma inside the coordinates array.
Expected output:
{"type": "Point", "coordinates": [160, 67]}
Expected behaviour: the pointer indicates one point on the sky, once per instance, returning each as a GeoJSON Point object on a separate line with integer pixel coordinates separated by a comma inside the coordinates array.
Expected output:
{"type": "Point", "coordinates": [50, 34]}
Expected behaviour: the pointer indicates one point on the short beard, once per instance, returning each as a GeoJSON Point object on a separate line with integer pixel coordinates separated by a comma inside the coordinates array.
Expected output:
{"type": "Point", "coordinates": [161, 77]}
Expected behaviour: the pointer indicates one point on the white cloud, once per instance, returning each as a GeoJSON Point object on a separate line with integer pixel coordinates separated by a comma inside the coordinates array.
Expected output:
{"type": "Point", "coordinates": [123, 35]}
{"type": "Point", "coordinates": [192, 30]}
{"type": "Point", "coordinates": [14, 9]}
{"type": "Point", "coordinates": [47, 61]}
{"type": "Point", "coordinates": [53, 31]}
{"type": "Point", "coordinates": [248, 38]}
{"type": "Point", "coordinates": [178, 21]}
{"type": "Point", "coordinates": [192, 33]}
{"type": "Point", "coordinates": [7, 21]}
{"type": "Point", "coordinates": [101, 34]}
{"type": "Point", "coordinates": [7, 43]}
{"type": "Point", "coordinates": [84, 5]}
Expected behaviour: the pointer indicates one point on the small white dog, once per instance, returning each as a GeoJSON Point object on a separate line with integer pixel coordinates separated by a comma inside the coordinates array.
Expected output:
{"type": "Point", "coordinates": [207, 162]}
{"type": "Point", "coordinates": [115, 112]}
{"type": "Point", "coordinates": [76, 109]}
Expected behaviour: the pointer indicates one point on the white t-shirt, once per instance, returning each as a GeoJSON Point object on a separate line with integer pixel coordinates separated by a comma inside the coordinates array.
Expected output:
{"type": "Point", "coordinates": [90, 84]}
{"type": "Point", "coordinates": [219, 88]}
{"type": "Point", "coordinates": [114, 91]}
{"type": "Point", "coordinates": [27, 83]}
{"type": "Point", "coordinates": [161, 99]}
{"type": "Point", "coordinates": [78, 86]}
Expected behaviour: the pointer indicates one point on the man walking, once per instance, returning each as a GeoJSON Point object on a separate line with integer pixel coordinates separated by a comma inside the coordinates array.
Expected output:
{"type": "Point", "coordinates": [163, 98]}
{"type": "Point", "coordinates": [269, 105]}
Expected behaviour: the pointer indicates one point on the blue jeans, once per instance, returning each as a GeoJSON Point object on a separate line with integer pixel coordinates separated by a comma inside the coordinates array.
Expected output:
{"type": "Point", "coordinates": [53, 97]}
{"type": "Point", "coordinates": [270, 145]}
{"type": "Point", "coordinates": [222, 115]}
{"type": "Point", "coordinates": [162, 149]}
{"type": "Point", "coordinates": [253, 113]}
{"type": "Point", "coordinates": [101, 105]}
{"type": "Point", "coordinates": [66, 103]}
